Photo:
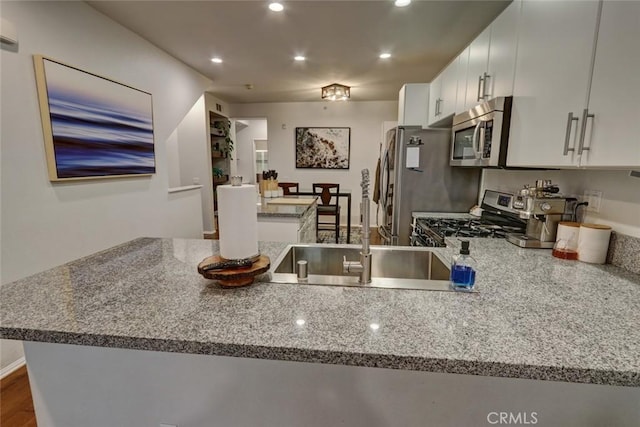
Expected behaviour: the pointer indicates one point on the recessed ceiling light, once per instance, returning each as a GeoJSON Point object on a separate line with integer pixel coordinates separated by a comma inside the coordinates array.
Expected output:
{"type": "Point", "coordinates": [385, 55]}
{"type": "Point", "coordinates": [402, 3]}
{"type": "Point", "coordinates": [216, 60]}
{"type": "Point", "coordinates": [276, 7]}
{"type": "Point", "coordinates": [299, 58]}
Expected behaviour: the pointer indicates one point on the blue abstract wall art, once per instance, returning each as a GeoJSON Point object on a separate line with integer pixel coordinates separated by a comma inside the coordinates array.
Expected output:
{"type": "Point", "coordinates": [93, 127]}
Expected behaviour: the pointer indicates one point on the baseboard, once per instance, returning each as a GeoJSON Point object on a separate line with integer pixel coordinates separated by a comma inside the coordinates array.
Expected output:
{"type": "Point", "coordinates": [7, 370]}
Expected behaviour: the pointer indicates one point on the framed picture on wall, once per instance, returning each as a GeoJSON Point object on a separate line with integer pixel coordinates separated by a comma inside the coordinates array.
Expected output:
{"type": "Point", "coordinates": [323, 147]}
{"type": "Point", "coordinates": [93, 127]}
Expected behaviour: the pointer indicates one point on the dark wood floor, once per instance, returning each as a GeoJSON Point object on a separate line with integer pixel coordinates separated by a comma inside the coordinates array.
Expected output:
{"type": "Point", "coordinates": [16, 404]}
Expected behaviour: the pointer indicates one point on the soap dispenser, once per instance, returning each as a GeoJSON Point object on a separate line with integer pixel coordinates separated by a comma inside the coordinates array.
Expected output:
{"type": "Point", "coordinates": [463, 269]}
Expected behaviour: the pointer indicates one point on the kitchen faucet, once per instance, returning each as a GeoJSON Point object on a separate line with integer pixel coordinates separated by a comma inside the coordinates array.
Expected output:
{"type": "Point", "coordinates": [364, 266]}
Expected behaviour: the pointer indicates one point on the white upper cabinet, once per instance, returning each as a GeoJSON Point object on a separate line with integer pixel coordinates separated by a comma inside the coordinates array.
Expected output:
{"type": "Point", "coordinates": [434, 99]}
{"type": "Point", "coordinates": [576, 89]}
{"type": "Point", "coordinates": [491, 61]}
{"type": "Point", "coordinates": [448, 90]}
{"type": "Point", "coordinates": [477, 69]}
{"type": "Point", "coordinates": [413, 105]}
{"type": "Point", "coordinates": [442, 96]}
{"type": "Point", "coordinates": [461, 79]}
{"type": "Point", "coordinates": [612, 135]}
{"type": "Point", "coordinates": [553, 67]}
{"type": "Point", "coordinates": [502, 52]}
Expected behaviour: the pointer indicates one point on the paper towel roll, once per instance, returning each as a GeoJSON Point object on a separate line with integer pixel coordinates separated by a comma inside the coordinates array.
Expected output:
{"type": "Point", "coordinates": [237, 221]}
{"type": "Point", "coordinates": [593, 243]}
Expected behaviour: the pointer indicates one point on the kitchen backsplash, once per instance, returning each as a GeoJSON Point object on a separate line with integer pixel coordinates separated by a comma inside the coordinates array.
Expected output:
{"type": "Point", "coordinates": [624, 252]}
{"type": "Point", "coordinates": [620, 206]}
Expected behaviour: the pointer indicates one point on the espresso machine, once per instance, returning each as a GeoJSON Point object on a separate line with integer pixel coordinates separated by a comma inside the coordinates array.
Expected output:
{"type": "Point", "coordinates": [543, 207]}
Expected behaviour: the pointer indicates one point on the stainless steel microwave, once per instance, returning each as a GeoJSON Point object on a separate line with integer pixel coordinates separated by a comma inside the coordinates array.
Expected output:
{"type": "Point", "coordinates": [480, 136]}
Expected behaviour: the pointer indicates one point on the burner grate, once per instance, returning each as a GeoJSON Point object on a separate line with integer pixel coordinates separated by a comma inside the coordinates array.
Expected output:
{"type": "Point", "coordinates": [432, 231]}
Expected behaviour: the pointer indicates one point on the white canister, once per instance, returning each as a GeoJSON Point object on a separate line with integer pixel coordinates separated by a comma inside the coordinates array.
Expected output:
{"type": "Point", "coordinates": [593, 243]}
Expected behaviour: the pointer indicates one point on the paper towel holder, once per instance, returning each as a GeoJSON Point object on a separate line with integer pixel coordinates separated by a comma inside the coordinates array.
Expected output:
{"type": "Point", "coordinates": [236, 180]}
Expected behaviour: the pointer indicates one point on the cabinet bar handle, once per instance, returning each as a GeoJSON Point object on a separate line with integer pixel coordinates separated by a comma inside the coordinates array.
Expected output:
{"type": "Point", "coordinates": [583, 130]}
{"type": "Point", "coordinates": [485, 95]}
{"type": "Point", "coordinates": [440, 106]}
{"type": "Point", "coordinates": [479, 84]}
{"type": "Point", "coordinates": [570, 120]}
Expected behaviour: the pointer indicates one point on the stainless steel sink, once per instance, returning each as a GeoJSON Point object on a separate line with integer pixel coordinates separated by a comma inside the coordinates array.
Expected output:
{"type": "Point", "coordinates": [392, 267]}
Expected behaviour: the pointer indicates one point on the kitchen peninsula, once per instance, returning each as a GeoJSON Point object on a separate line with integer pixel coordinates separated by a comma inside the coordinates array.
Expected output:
{"type": "Point", "coordinates": [287, 219]}
{"type": "Point", "coordinates": [154, 342]}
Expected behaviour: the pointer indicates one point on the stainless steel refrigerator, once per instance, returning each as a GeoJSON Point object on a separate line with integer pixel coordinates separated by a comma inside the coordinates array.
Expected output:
{"type": "Point", "coordinates": [415, 176]}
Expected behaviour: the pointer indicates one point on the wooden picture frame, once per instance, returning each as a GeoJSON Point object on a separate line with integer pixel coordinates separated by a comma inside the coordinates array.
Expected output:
{"type": "Point", "coordinates": [323, 147]}
{"type": "Point", "coordinates": [94, 127]}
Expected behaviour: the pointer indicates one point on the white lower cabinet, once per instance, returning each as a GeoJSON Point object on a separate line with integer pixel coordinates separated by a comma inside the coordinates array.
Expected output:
{"type": "Point", "coordinates": [287, 228]}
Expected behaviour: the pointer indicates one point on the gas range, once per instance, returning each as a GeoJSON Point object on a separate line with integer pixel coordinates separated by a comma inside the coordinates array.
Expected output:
{"type": "Point", "coordinates": [432, 231]}
{"type": "Point", "coordinates": [498, 219]}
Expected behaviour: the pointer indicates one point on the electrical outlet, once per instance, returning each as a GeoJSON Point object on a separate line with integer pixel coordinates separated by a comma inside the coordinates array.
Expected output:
{"type": "Point", "coordinates": [594, 198]}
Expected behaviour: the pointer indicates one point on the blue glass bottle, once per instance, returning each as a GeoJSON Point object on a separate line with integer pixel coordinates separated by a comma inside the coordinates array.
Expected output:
{"type": "Point", "coordinates": [463, 269]}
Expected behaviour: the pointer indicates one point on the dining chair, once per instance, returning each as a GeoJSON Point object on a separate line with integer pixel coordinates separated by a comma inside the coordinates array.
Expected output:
{"type": "Point", "coordinates": [288, 187]}
{"type": "Point", "coordinates": [328, 207]}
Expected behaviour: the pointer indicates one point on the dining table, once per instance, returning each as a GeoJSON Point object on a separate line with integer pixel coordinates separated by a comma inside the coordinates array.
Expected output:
{"type": "Point", "coordinates": [341, 194]}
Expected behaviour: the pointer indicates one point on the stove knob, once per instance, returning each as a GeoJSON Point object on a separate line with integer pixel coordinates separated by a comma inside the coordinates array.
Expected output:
{"type": "Point", "coordinates": [545, 206]}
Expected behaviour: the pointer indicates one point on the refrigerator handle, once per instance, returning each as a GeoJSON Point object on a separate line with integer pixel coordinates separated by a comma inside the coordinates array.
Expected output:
{"type": "Point", "coordinates": [384, 183]}
{"type": "Point", "coordinates": [401, 144]}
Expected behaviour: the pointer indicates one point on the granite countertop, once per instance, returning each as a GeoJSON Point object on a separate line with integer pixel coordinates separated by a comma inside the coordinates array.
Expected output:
{"type": "Point", "coordinates": [535, 316]}
{"type": "Point", "coordinates": [266, 210]}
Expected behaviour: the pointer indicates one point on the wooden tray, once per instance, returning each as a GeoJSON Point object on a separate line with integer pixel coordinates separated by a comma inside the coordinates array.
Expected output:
{"type": "Point", "coordinates": [235, 277]}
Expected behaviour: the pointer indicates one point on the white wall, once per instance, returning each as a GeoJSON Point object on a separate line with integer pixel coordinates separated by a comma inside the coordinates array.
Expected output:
{"type": "Point", "coordinates": [256, 129]}
{"type": "Point", "coordinates": [620, 205]}
{"type": "Point", "coordinates": [43, 224]}
{"type": "Point", "coordinates": [194, 161]}
{"type": "Point", "coordinates": [364, 119]}
{"type": "Point", "coordinates": [173, 160]}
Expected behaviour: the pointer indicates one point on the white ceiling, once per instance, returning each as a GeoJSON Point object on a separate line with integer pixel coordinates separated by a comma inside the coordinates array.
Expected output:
{"type": "Point", "coordinates": [341, 40]}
